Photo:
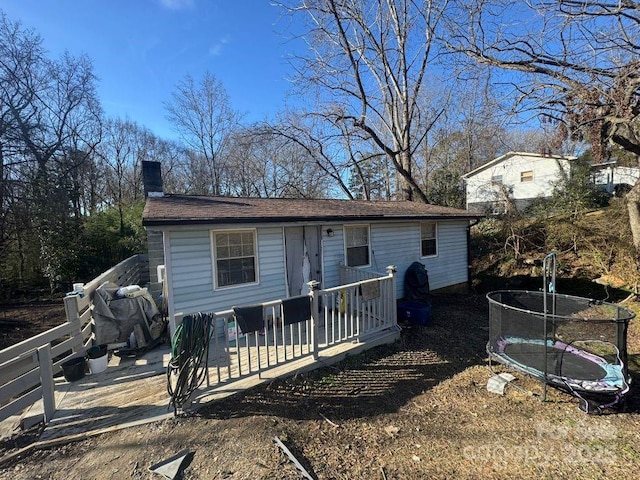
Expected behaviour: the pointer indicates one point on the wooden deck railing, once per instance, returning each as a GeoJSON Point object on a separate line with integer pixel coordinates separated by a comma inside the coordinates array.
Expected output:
{"type": "Point", "coordinates": [344, 314]}
{"type": "Point", "coordinates": [354, 274]}
{"type": "Point", "coordinates": [355, 310]}
{"type": "Point", "coordinates": [28, 367]}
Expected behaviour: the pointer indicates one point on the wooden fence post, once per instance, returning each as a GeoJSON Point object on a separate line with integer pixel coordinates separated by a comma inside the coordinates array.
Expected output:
{"type": "Point", "coordinates": [313, 293]}
{"type": "Point", "coordinates": [46, 380]}
{"type": "Point", "coordinates": [73, 317]}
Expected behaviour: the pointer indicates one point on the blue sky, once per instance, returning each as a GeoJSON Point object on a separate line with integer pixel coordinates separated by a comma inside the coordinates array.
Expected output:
{"type": "Point", "coordinates": [141, 48]}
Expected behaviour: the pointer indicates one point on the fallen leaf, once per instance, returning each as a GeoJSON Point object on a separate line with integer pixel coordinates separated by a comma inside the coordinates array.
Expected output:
{"type": "Point", "coordinates": [391, 430]}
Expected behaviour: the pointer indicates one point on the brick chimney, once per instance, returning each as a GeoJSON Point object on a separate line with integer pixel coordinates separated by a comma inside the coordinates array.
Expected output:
{"type": "Point", "coordinates": [152, 178]}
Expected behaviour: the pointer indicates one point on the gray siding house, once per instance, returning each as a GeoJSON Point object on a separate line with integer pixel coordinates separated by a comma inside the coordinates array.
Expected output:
{"type": "Point", "coordinates": [220, 252]}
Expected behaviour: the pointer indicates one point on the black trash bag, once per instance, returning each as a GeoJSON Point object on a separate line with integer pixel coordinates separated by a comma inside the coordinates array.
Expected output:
{"type": "Point", "coordinates": [416, 284]}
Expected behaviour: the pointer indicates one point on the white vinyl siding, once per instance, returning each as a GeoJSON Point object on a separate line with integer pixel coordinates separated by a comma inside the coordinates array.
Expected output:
{"type": "Point", "coordinates": [192, 274]}
{"type": "Point", "coordinates": [399, 244]}
{"type": "Point", "coordinates": [395, 244]}
{"type": "Point", "coordinates": [332, 255]}
{"type": "Point", "coordinates": [524, 176]}
{"type": "Point", "coordinates": [191, 278]}
{"type": "Point", "coordinates": [610, 176]}
{"type": "Point", "coordinates": [450, 267]}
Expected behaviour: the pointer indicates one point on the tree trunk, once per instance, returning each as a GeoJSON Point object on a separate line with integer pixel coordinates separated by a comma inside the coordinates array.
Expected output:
{"type": "Point", "coordinates": [510, 207]}
{"type": "Point", "coordinates": [633, 208]}
{"type": "Point", "coordinates": [408, 188]}
{"type": "Point", "coordinates": [405, 186]}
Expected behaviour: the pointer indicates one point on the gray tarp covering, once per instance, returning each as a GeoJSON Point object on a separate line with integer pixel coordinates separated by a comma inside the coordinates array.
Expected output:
{"type": "Point", "coordinates": [115, 317]}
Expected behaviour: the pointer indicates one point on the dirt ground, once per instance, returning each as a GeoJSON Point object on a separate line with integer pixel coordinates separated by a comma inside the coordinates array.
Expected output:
{"type": "Point", "coordinates": [21, 321]}
{"type": "Point", "coordinates": [416, 409]}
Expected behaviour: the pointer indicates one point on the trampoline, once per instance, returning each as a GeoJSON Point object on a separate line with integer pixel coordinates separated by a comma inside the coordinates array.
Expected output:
{"type": "Point", "coordinates": [572, 343]}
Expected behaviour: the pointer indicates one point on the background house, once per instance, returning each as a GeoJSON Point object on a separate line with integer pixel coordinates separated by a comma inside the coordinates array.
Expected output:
{"type": "Point", "coordinates": [220, 252]}
{"type": "Point", "coordinates": [521, 176]}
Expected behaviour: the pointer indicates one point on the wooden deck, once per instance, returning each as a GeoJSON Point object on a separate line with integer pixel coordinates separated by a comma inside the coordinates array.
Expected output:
{"type": "Point", "coordinates": [133, 391]}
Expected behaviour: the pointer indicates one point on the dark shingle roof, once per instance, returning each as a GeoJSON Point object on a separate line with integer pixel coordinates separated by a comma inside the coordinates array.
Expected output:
{"type": "Point", "coordinates": [189, 209]}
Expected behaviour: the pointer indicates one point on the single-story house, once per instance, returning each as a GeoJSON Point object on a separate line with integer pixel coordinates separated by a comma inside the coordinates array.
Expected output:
{"type": "Point", "coordinates": [220, 252]}
{"type": "Point", "coordinates": [610, 176]}
{"type": "Point", "coordinates": [521, 176]}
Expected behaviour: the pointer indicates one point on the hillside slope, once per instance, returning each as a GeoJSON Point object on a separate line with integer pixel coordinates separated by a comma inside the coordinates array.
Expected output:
{"type": "Point", "coordinates": [594, 252]}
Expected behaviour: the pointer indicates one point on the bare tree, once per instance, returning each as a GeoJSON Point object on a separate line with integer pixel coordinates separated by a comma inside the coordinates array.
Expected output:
{"type": "Point", "coordinates": [575, 61]}
{"type": "Point", "coordinates": [49, 125]}
{"type": "Point", "coordinates": [21, 54]}
{"type": "Point", "coordinates": [317, 141]}
{"type": "Point", "coordinates": [370, 177]}
{"type": "Point", "coordinates": [370, 61]}
{"type": "Point", "coordinates": [338, 158]}
{"type": "Point", "coordinates": [118, 155]}
{"type": "Point", "coordinates": [125, 144]}
{"type": "Point", "coordinates": [470, 133]}
{"type": "Point", "coordinates": [169, 153]}
{"type": "Point", "coordinates": [266, 163]}
{"type": "Point", "coordinates": [201, 113]}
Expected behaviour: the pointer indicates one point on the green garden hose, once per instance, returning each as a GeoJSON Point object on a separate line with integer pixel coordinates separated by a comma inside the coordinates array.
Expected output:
{"type": "Point", "coordinates": [189, 351]}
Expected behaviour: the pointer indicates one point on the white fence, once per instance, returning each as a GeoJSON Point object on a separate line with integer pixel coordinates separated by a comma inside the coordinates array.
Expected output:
{"type": "Point", "coordinates": [353, 274]}
{"type": "Point", "coordinates": [347, 313]}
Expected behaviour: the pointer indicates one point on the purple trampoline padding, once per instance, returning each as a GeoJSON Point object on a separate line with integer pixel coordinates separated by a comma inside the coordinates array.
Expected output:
{"type": "Point", "coordinates": [566, 365]}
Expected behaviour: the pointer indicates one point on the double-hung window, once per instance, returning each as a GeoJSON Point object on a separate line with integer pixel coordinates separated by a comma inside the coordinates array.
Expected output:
{"type": "Point", "coordinates": [428, 239]}
{"type": "Point", "coordinates": [235, 257]}
{"type": "Point", "coordinates": [357, 245]}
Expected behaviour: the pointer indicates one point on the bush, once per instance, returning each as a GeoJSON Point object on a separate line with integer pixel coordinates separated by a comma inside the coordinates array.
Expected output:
{"type": "Point", "coordinates": [589, 244]}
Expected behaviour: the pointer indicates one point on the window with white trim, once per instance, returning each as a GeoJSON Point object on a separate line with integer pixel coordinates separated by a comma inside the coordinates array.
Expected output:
{"type": "Point", "coordinates": [357, 245]}
{"type": "Point", "coordinates": [526, 176]}
{"type": "Point", "coordinates": [235, 257]}
{"type": "Point", "coordinates": [428, 239]}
